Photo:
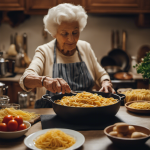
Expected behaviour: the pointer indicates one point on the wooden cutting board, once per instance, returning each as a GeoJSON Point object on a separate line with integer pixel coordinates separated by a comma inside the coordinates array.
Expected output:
{"type": "Point", "coordinates": [34, 120]}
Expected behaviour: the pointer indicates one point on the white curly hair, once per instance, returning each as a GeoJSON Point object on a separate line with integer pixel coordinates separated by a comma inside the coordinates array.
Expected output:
{"type": "Point", "coordinates": [64, 12]}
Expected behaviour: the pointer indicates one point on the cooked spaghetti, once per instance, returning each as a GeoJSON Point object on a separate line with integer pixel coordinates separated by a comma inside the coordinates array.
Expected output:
{"type": "Point", "coordinates": [86, 99]}
{"type": "Point", "coordinates": [137, 94]}
{"type": "Point", "coordinates": [11, 111]}
{"type": "Point", "coordinates": [54, 140]}
{"type": "Point", "coordinates": [140, 105]}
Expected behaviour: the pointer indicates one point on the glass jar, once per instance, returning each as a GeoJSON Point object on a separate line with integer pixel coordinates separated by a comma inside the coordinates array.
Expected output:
{"type": "Point", "coordinates": [4, 100]}
{"type": "Point", "coordinates": [23, 98]}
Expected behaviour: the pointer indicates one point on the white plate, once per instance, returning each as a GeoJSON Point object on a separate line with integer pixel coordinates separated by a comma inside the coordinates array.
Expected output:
{"type": "Point", "coordinates": [29, 140]}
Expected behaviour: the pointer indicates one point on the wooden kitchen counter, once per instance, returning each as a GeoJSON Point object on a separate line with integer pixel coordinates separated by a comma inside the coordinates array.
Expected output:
{"type": "Point", "coordinates": [94, 139]}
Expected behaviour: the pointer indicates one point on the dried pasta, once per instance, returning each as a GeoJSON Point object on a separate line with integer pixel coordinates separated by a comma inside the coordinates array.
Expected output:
{"type": "Point", "coordinates": [54, 140]}
{"type": "Point", "coordinates": [11, 111]}
{"type": "Point", "coordinates": [137, 94]}
{"type": "Point", "coordinates": [86, 99]}
{"type": "Point", "coordinates": [140, 105]}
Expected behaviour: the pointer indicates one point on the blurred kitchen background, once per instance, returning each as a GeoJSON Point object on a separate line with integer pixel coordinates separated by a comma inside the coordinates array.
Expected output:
{"type": "Point", "coordinates": [112, 24]}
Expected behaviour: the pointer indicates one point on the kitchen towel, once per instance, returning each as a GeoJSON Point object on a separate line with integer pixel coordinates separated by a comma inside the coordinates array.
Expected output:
{"type": "Point", "coordinates": [53, 121]}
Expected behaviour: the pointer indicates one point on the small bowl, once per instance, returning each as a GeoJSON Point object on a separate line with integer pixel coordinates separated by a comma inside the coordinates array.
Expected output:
{"type": "Point", "coordinates": [15, 134]}
{"type": "Point", "coordinates": [139, 111]}
{"type": "Point", "coordinates": [128, 141]}
{"type": "Point", "coordinates": [14, 105]}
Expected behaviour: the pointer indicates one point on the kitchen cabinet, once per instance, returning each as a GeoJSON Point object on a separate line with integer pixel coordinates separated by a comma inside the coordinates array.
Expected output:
{"type": "Point", "coordinates": [114, 6]}
{"type": "Point", "coordinates": [142, 84]}
{"type": "Point", "coordinates": [41, 7]}
{"type": "Point", "coordinates": [146, 6]}
{"type": "Point", "coordinates": [12, 5]}
{"type": "Point", "coordinates": [76, 2]}
{"type": "Point", "coordinates": [92, 6]}
{"type": "Point", "coordinates": [38, 7]}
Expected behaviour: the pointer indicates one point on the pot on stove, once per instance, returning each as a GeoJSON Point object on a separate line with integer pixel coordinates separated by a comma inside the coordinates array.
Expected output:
{"type": "Point", "coordinates": [6, 66]}
{"type": "Point", "coordinates": [3, 65]}
{"type": "Point", "coordinates": [2, 88]}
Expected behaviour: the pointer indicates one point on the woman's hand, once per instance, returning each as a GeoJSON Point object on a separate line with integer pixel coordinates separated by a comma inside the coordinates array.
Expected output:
{"type": "Point", "coordinates": [56, 85]}
{"type": "Point", "coordinates": [107, 87]}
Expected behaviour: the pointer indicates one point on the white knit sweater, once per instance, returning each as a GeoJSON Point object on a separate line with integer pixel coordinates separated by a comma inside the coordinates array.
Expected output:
{"type": "Point", "coordinates": [42, 63]}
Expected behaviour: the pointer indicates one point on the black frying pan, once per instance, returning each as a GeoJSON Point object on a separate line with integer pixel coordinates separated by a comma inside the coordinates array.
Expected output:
{"type": "Point", "coordinates": [121, 58]}
{"type": "Point", "coordinates": [84, 113]}
{"type": "Point", "coordinates": [108, 61]}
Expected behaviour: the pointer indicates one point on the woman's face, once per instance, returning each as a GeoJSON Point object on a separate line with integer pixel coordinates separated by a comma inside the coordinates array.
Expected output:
{"type": "Point", "coordinates": [67, 36]}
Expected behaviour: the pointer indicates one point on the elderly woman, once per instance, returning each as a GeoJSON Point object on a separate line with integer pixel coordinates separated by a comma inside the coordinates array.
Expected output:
{"type": "Point", "coordinates": [66, 63]}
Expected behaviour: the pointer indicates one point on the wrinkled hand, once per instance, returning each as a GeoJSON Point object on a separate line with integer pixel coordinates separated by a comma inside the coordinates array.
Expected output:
{"type": "Point", "coordinates": [56, 85]}
{"type": "Point", "coordinates": [107, 87]}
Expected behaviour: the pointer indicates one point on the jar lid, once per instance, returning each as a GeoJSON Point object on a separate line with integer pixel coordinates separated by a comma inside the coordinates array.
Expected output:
{"type": "Point", "coordinates": [2, 84]}
{"type": "Point", "coordinates": [133, 57]}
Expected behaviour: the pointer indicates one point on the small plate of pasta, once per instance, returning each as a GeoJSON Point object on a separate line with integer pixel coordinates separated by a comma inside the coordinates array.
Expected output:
{"type": "Point", "coordinates": [140, 106]}
{"type": "Point", "coordinates": [54, 138]}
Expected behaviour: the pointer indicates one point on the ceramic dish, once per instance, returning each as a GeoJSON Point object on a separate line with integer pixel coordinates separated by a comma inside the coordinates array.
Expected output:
{"type": "Point", "coordinates": [29, 140]}
{"type": "Point", "coordinates": [140, 111]}
{"type": "Point", "coordinates": [15, 134]}
{"type": "Point", "coordinates": [128, 141]}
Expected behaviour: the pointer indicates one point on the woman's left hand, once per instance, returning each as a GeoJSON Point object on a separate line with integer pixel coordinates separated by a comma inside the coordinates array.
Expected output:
{"type": "Point", "coordinates": [107, 87]}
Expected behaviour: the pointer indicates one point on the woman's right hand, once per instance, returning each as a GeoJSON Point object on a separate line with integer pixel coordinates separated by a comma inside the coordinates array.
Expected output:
{"type": "Point", "coordinates": [56, 85]}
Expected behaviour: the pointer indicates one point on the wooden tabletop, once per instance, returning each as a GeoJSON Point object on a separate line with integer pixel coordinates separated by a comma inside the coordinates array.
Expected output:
{"type": "Point", "coordinates": [94, 139]}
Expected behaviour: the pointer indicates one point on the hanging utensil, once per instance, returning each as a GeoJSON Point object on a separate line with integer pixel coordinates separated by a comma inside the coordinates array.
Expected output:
{"type": "Point", "coordinates": [124, 38]}
{"type": "Point", "coordinates": [112, 39]}
{"type": "Point", "coordinates": [120, 56]}
{"type": "Point", "coordinates": [24, 46]}
{"type": "Point", "coordinates": [117, 39]}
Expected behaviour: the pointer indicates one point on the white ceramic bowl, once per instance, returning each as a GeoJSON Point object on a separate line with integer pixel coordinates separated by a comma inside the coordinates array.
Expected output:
{"type": "Point", "coordinates": [15, 134]}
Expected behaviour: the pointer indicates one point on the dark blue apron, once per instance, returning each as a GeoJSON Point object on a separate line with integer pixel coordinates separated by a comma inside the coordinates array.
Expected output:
{"type": "Point", "coordinates": [75, 74]}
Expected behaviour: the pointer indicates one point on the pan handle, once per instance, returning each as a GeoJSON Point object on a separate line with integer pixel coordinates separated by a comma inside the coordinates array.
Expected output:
{"type": "Point", "coordinates": [46, 97]}
{"type": "Point", "coordinates": [122, 96]}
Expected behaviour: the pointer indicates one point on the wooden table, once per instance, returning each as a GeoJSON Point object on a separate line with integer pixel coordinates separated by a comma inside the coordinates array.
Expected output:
{"type": "Point", "coordinates": [94, 139]}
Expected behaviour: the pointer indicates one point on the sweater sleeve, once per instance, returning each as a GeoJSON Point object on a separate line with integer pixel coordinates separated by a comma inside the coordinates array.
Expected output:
{"type": "Point", "coordinates": [100, 73]}
{"type": "Point", "coordinates": [36, 67]}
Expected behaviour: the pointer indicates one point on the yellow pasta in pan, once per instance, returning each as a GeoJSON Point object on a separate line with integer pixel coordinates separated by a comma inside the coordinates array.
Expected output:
{"type": "Point", "coordinates": [86, 99]}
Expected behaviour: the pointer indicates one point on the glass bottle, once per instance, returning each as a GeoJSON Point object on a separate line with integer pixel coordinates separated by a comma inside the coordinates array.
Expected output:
{"type": "Point", "coordinates": [133, 63]}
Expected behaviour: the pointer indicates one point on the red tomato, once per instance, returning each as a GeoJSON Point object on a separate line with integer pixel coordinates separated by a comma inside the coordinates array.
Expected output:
{"type": "Point", "coordinates": [3, 127]}
{"type": "Point", "coordinates": [22, 127]}
{"type": "Point", "coordinates": [12, 125]}
{"type": "Point", "coordinates": [19, 120]}
{"type": "Point", "coordinates": [7, 118]}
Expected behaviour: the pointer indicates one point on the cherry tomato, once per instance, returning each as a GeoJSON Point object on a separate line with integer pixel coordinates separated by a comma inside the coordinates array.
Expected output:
{"type": "Point", "coordinates": [22, 127]}
{"type": "Point", "coordinates": [19, 120]}
{"type": "Point", "coordinates": [12, 125]}
{"type": "Point", "coordinates": [3, 127]}
{"type": "Point", "coordinates": [7, 118]}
